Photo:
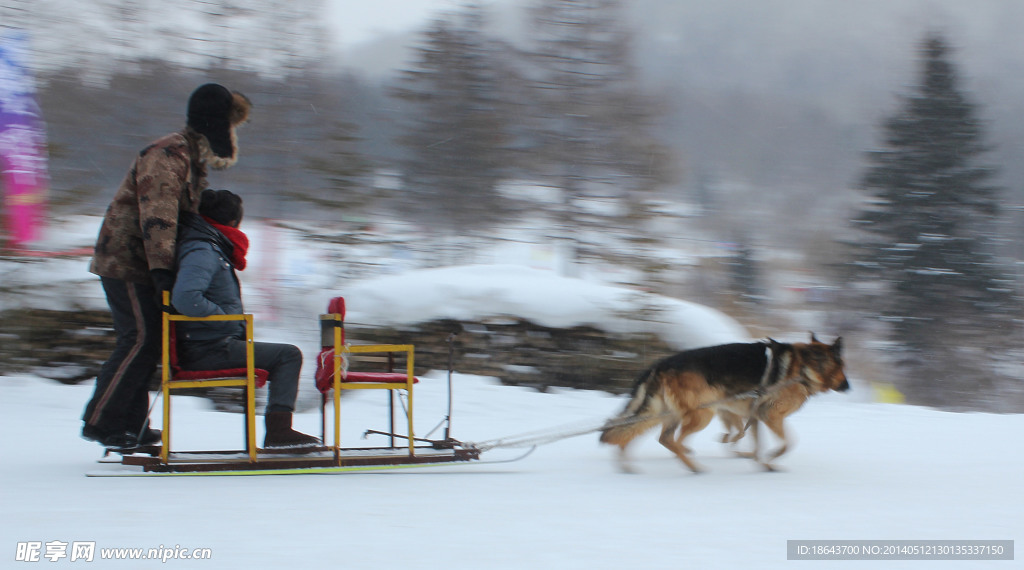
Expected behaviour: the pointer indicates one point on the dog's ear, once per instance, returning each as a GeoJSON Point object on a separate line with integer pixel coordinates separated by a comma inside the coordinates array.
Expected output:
{"type": "Point", "coordinates": [837, 346]}
{"type": "Point", "coordinates": [814, 338]}
{"type": "Point", "coordinates": [778, 348]}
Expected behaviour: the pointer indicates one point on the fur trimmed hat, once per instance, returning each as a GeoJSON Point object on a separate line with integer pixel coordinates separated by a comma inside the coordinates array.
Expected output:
{"type": "Point", "coordinates": [214, 112]}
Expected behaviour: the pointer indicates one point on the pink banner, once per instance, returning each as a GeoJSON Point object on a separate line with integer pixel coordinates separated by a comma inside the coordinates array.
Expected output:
{"type": "Point", "coordinates": [22, 145]}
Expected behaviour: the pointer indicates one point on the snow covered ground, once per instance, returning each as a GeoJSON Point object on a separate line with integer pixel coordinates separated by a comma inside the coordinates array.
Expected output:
{"type": "Point", "coordinates": [859, 470]}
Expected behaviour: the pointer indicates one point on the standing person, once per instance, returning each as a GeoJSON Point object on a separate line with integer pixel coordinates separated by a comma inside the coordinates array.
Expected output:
{"type": "Point", "coordinates": [210, 249]}
{"type": "Point", "coordinates": [135, 256]}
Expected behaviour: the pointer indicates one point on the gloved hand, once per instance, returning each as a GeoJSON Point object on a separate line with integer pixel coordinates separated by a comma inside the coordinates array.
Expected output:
{"type": "Point", "coordinates": [163, 280]}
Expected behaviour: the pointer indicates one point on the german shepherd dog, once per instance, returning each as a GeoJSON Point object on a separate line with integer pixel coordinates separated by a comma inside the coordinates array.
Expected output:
{"type": "Point", "coordinates": [737, 424]}
{"type": "Point", "coordinates": [760, 381]}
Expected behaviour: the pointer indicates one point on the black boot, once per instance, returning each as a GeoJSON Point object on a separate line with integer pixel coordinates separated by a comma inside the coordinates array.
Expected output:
{"type": "Point", "coordinates": [117, 439]}
{"type": "Point", "coordinates": [281, 434]}
{"type": "Point", "coordinates": [93, 433]}
{"type": "Point", "coordinates": [150, 436]}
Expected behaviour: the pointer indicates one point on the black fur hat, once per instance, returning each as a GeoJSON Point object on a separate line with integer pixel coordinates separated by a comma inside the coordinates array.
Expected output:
{"type": "Point", "coordinates": [221, 206]}
{"type": "Point", "coordinates": [214, 111]}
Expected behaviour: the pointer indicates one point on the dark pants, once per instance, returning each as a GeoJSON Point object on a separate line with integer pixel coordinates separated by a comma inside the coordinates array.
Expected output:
{"type": "Point", "coordinates": [120, 401]}
{"type": "Point", "coordinates": [283, 362]}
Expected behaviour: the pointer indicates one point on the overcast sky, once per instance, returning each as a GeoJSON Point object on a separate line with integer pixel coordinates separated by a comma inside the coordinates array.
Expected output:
{"type": "Point", "coordinates": [359, 20]}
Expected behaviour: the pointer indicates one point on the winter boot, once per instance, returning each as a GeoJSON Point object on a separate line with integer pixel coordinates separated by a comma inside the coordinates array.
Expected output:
{"type": "Point", "coordinates": [116, 439]}
{"type": "Point", "coordinates": [281, 434]}
{"type": "Point", "coordinates": [150, 436]}
{"type": "Point", "coordinates": [93, 433]}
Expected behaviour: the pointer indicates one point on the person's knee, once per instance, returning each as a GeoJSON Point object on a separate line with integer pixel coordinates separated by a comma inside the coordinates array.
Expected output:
{"type": "Point", "coordinates": [292, 353]}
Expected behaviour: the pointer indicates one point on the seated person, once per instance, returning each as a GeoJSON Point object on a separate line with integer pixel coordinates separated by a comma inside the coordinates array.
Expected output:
{"type": "Point", "coordinates": [210, 248]}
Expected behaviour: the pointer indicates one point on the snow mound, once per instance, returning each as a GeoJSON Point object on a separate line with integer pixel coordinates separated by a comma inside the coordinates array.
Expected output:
{"type": "Point", "coordinates": [477, 292]}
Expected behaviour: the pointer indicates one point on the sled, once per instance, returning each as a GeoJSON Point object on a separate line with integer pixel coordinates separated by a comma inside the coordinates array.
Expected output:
{"type": "Point", "coordinates": [354, 464]}
{"type": "Point", "coordinates": [333, 375]}
{"type": "Point", "coordinates": [325, 459]}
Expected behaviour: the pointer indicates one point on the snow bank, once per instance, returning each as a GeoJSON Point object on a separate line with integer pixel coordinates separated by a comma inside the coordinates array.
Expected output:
{"type": "Point", "coordinates": [487, 291]}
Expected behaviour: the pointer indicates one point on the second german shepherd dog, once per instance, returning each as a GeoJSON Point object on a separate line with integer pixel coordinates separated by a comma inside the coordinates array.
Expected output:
{"type": "Point", "coordinates": [759, 381]}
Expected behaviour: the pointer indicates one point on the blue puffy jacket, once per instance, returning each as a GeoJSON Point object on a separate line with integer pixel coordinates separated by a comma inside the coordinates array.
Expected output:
{"type": "Point", "coordinates": [206, 283]}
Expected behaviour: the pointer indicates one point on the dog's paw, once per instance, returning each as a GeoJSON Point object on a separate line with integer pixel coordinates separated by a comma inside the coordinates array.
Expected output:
{"type": "Point", "coordinates": [695, 468]}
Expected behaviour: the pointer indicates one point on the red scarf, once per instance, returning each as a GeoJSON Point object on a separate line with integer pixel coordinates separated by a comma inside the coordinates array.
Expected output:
{"type": "Point", "coordinates": [237, 239]}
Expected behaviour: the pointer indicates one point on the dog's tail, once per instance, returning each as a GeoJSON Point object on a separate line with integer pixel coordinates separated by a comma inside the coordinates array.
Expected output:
{"type": "Point", "coordinates": [642, 413]}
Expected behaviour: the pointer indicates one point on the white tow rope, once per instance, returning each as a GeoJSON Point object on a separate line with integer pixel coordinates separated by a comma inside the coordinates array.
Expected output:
{"type": "Point", "coordinates": [541, 437]}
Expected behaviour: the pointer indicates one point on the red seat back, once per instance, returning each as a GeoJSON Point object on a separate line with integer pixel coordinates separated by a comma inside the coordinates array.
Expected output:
{"type": "Point", "coordinates": [337, 306]}
{"type": "Point", "coordinates": [178, 374]}
{"type": "Point", "coordinates": [325, 360]}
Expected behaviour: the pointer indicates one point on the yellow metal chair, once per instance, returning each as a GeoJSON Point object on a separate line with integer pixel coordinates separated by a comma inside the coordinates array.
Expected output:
{"type": "Point", "coordinates": [174, 378]}
{"type": "Point", "coordinates": [333, 373]}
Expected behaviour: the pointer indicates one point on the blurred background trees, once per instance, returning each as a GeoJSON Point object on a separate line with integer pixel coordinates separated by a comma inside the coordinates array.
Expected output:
{"type": "Point", "coordinates": [592, 123]}
{"type": "Point", "coordinates": [456, 140]}
{"type": "Point", "coordinates": [705, 150]}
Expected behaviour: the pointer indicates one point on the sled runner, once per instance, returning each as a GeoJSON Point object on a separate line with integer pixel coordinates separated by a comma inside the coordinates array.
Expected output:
{"type": "Point", "coordinates": [333, 375]}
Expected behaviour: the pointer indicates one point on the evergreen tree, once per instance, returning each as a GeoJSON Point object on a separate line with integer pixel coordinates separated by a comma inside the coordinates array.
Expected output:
{"type": "Point", "coordinates": [930, 239]}
{"type": "Point", "coordinates": [328, 144]}
{"type": "Point", "coordinates": [592, 124]}
{"type": "Point", "coordinates": [456, 139]}
{"type": "Point", "coordinates": [591, 111]}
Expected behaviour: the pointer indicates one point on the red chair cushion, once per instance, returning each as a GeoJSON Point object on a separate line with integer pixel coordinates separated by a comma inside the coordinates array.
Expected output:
{"type": "Point", "coordinates": [325, 374]}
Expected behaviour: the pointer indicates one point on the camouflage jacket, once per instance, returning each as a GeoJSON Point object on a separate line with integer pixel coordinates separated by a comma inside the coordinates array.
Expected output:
{"type": "Point", "coordinates": [140, 228]}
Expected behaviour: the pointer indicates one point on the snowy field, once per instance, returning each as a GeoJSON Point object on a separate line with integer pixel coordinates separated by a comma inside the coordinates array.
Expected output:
{"type": "Point", "coordinates": [858, 471]}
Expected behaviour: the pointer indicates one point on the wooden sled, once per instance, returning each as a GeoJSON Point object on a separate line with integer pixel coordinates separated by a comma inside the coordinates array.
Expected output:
{"type": "Point", "coordinates": [332, 376]}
